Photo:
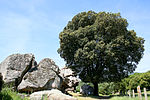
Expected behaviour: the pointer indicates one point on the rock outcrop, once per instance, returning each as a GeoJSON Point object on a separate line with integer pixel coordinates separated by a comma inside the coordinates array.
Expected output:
{"type": "Point", "coordinates": [22, 73]}
{"type": "Point", "coordinates": [42, 77]}
{"type": "Point", "coordinates": [70, 80]}
{"type": "Point", "coordinates": [53, 94]}
{"type": "Point", "coordinates": [1, 81]}
{"type": "Point", "coordinates": [15, 66]}
{"type": "Point", "coordinates": [86, 89]}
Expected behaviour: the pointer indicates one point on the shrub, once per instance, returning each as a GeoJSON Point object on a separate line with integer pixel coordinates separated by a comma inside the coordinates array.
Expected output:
{"type": "Point", "coordinates": [107, 88]}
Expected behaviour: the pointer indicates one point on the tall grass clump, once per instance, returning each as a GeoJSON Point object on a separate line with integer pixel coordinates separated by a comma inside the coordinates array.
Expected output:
{"type": "Point", "coordinates": [9, 94]}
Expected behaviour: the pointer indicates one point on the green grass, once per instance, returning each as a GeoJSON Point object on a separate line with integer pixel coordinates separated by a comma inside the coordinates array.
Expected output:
{"type": "Point", "coordinates": [127, 98]}
{"type": "Point", "coordinates": [8, 94]}
{"type": "Point", "coordinates": [131, 98]}
{"type": "Point", "coordinates": [114, 97]}
{"type": "Point", "coordinates": [83, 97]}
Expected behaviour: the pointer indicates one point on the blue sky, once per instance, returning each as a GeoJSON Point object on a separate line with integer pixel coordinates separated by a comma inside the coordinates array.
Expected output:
{"type": "Point", "coordinates": [33, 26]}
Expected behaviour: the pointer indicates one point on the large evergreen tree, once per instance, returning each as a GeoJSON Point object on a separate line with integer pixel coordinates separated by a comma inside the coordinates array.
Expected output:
{"type": "Point", "coordinates": [99, 47]}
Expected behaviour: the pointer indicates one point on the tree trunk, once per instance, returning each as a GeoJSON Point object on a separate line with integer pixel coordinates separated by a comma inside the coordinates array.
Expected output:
{"type": "Point", "coordinates": [95, 88]}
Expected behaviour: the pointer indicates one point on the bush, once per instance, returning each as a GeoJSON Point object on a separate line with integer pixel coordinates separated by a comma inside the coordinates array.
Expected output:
{"type": "Point", "coordinates": [107, 88]}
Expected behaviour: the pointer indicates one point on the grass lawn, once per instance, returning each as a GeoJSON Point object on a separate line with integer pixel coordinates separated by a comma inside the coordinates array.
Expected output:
{"type": "Point", "coordinates": [81, 97]}
{"type": "Point", "coordinates": [127, 98]}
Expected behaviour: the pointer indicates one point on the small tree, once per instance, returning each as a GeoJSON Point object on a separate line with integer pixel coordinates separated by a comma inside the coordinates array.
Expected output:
{"type": "Point", "coordinates": [99, 47]}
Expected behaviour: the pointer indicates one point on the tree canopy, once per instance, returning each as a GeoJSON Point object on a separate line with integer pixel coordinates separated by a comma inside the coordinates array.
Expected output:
{"type": "Point", "coordinates": [99, 47]}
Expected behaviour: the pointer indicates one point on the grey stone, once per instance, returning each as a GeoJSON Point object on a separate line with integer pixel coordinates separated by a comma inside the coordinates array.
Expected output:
{"type": "Point", "coordinates": [86, 90]}
{"type": "Point", "coordinates": [42, 77]}
{"type": "Point", "coordinates": [66, 72]}
{"type": "Point", "coordinates": [53, 94]}
{"type": "Point", "coordinates": [15, 66]}
{"type": "Point", "coordinates": [70, 80]}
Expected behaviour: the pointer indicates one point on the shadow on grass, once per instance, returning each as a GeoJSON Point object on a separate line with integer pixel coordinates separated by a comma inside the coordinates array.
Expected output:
{"type": "Point", "coordinates": [95, 97]}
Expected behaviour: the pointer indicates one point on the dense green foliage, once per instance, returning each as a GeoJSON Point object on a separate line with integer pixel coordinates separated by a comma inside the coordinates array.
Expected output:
{"type": "Point", "coordinates": [107, 88]}
{"type": "Point", "coordinates": [130, 83]}
{"type": "Point", "coordinates": [99, 47]}
{"type": "Point", "coordinates": [137, 79]}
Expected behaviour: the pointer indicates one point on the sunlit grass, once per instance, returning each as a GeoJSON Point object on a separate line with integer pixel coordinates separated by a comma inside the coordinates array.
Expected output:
{"type": "Point", "coordinates": [81, 97]}
{"type": "Point", "coordinates": [127, 98]}
{"type": "Point", "coordinates": [9, 94]}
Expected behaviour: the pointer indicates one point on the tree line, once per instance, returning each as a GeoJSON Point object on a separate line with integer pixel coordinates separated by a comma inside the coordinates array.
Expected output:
{"type": "Point", "coordinates": [134, 80]}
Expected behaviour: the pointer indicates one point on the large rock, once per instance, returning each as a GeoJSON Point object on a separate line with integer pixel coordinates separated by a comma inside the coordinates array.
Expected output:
{"type": "Point", "coordinates": [86, 90]}
{"type": "Point", "coordinates": [70, 80]}
{"type": "Point", "coordinates": [15, 66]}
{"type": "Point", "coordinates": [1, 81]}
{"type": "Point", "coordinates": [53, 94]}
{"type": "Point", "coordinates": [43, 77]}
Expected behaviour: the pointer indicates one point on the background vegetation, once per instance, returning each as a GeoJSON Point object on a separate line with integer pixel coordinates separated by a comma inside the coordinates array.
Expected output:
{"type": "Point", "coordinates": [129, 83]}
